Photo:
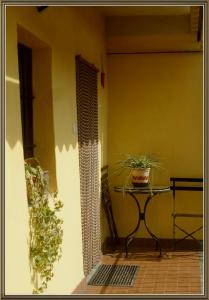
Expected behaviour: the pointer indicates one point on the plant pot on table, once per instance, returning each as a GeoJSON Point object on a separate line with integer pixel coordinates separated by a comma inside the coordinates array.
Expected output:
{"type": "Point", "coordinates": [140, 177]}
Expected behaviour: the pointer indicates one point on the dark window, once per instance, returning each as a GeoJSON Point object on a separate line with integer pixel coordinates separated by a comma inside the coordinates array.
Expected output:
{"type": "Point", "coordinates": [25, 76]}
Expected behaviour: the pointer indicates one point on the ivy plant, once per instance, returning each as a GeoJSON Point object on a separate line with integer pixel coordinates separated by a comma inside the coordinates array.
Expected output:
{"type": "Point", "coordinates": [45, 228]}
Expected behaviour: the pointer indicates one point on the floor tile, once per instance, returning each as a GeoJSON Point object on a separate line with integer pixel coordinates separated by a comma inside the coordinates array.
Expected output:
{"type": "Point", "coordinates": [175, 273]}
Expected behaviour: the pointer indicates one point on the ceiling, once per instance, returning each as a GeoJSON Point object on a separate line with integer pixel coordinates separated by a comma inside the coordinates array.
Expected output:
{"type": "Point", "coordinates": [152, 28]}
{"type": "Point", "coordinates": [108, 11]}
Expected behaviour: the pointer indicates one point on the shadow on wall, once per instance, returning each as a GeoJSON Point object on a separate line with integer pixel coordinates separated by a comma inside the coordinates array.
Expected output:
{"type": "Point", "coordinates": [44, 108]}
{"type": "Point", "coordinates": [13, 119]}
{"type": "Point", "coordinates": [43, 115]}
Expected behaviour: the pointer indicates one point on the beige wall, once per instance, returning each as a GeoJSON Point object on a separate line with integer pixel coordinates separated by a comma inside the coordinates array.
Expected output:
{"type": "Point", "coordinates": [155, 107]}
{"type": "Point", "coordinates": [66, 31]}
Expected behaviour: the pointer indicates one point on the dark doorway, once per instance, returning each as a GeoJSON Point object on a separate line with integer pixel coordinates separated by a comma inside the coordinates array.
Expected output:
{"type": "Point", "coordinates": [26, 98]}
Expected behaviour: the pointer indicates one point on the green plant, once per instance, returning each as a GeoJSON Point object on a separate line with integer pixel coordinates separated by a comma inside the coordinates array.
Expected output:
{"type": "Point", "coordinates": [130, 162]}
{"type": "Point", "coordinates": [137, 161]}
{"type": "Point", "coordinates": [45, 228]}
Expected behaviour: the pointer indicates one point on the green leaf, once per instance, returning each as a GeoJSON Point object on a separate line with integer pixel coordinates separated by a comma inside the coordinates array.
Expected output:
{"type": "Point", "coordinates": [45, 236]}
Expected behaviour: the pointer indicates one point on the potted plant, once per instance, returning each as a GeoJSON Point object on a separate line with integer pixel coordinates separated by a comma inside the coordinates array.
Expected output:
{"type": "Point", "coordinates": [139, 167]}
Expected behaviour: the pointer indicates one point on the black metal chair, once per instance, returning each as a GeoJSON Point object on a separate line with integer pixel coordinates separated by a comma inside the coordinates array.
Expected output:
{"type": "Point", "coordinates": [107, 204]}
{"type": "Point", "coordinates": [176, 214]}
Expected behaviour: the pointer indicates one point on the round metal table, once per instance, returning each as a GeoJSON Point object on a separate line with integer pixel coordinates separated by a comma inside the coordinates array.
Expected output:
{"type": "Point", "coordinates": [151, 191]}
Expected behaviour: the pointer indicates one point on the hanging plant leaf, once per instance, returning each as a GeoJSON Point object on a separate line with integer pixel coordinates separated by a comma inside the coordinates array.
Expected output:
{"type": "Point", "coordinates": [45, 228]}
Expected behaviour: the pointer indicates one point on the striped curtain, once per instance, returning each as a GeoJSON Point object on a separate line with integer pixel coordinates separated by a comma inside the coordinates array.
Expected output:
{"type": "Point", "coordinates": [87, 117]}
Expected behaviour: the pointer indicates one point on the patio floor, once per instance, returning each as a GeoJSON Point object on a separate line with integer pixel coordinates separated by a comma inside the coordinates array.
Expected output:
{"type": "Point", "coordinates": [177, 272]}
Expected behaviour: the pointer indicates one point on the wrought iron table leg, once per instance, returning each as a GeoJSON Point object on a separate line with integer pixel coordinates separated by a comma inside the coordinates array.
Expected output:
{"type": "Point", "coordinates": [148, 230]}
{"type": "Point", "coordinates": [130, 236]}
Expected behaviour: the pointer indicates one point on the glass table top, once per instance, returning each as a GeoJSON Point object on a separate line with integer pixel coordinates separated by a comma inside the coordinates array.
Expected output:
{"type": "Point", "coordinates": [142, 190]}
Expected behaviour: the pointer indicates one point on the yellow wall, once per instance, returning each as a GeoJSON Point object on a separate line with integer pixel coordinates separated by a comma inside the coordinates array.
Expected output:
{"type": "Point", "coordinates": [155, 106]}
{"type": "Point", "coordinates": [67, 31]}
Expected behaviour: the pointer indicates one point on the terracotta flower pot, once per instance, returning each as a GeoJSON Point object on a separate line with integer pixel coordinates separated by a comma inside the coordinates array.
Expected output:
{"type": "Point", "coordinates": [140, 177]}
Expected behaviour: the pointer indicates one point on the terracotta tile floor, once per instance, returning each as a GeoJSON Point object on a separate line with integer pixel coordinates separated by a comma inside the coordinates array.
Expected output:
{"type": "Point", "coordinates": [176, 272]}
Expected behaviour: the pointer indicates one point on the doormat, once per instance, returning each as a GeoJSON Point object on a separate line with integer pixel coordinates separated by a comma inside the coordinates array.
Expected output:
{"type": "Point", "coordinates": [113, 275]}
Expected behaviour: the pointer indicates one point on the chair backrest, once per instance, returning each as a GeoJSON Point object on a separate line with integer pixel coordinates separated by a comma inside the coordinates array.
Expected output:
{"type": "Point", "coordinates": [106, 199]}
{"type": "Point", "coordinates": [175, 180]}
{"type": "Point", "coordinates": [107, 204]}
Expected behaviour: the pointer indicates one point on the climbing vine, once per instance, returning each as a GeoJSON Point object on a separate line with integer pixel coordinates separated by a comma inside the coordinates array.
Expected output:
{"type": "Point", "coordinates": [45, 228]}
